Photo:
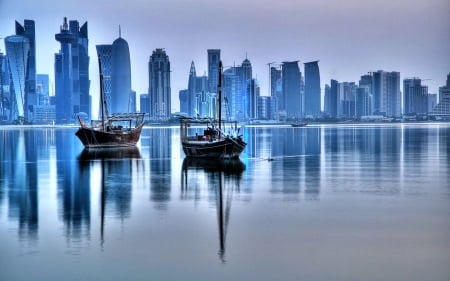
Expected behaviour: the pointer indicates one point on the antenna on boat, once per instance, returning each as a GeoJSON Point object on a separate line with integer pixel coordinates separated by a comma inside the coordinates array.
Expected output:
{"type": "Point", "coordinates": [219, 90]}
{"type": "Point", "coordinates": [102, 98]}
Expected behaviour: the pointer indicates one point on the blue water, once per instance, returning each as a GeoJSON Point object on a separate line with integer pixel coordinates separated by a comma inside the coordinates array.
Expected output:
{"type": "Point", "coordinates": [325, 202]}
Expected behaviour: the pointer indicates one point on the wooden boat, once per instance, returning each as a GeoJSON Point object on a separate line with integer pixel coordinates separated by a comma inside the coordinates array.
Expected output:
{"type": "Point", "coordinates": [214, 141]}
{"type": "Point", "coordinates": [299, 124]}
{"type": "Point", "coordinates": [117, 130]}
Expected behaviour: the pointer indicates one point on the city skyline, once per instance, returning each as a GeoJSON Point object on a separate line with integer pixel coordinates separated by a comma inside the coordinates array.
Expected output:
{"type": "Point", "coordinates": [411, 38]}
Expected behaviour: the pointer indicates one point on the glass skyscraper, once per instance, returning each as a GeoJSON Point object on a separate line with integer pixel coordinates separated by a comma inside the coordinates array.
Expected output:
{"type": "Point", "coordinates": [312, 89]}
{"type": "Point", "coordinates": [121, 98]}
{"type": "Point", "coordinates": [31, 100]}
{"type": "Point", "coordinates": [72, 72]}
{"type": "Point", "coordinates": [17, 50]}
{"type": "Point", "coordinates": [291, 88]}
{"type": "Point", "coordinates": [386, 93]}
{"type": "Point", "coordinates": [159, 85]}
{"type": "Point", "coordinates": [415, 96]}
{"type": "Point", "coordinates": [104, 53]}
{"type": "Point", "coordinates": [213, 69]}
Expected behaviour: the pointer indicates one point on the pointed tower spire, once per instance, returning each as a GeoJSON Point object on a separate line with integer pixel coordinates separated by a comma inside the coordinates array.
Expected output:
{"type": "Point", "coordinates": [120, 32]}
{"type": "Point", "coordinates": [192, 71]}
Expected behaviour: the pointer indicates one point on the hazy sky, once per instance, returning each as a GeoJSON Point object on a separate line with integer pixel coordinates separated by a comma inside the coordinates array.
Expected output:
{"type": "Point", "coordinates": [349, 37]}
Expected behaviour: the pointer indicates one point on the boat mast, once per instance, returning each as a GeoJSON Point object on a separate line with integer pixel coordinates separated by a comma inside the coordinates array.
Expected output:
{"type": "Point", "coordinates": [219, 90]}
{"type": "Point", "coordinates": [102, 98]}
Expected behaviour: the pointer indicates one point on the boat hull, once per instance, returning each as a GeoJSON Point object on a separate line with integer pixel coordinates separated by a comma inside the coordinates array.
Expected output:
{"type": "Point", "coordinates": [226, 148]}
{"type": "Point", "coordinates": [94, 138]}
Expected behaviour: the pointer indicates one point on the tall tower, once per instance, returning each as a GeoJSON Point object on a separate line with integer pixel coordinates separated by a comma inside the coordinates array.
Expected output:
{"type": "Point", "coordinates": [312, 89]}
{"type": "Point", "coordinates": [120, 76]}
{"type": "Point", "coordinates": [104, 53]}
{"type": "Point", "coordinates": [213, 69]}
{"type": "Point", "coordinates": [291, 85]}
{"type": "Point", "coordinates": [72, 72]}
{"type": "Point", "coordinates": [275, 90]}
{"type": "Point", "coordinates": [415, 96]}
{"type": "Point", "coordinates": [192, 90]}
{"type": "Point", "coordinates": [159, 85]}
{"type": "Point", "coordinates": [17, 49]}
{"type": "Point", "coordinates": [66, 102]}
{"type": "Point", "coordinates": [28, 30]}
{"type": "Point", "coordinates": [386, 93]}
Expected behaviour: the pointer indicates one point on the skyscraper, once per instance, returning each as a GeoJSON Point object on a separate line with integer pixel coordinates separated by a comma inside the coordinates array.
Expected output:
{"type": "Point", "coordinates": [104, 53]}
{"type": "Point", "coordinates": [312, 89]}
{"type": "Point", "coordinates": [213, 69]}
{"type": "Point", "coordinates": [334, 99]}
{"type": "Point", "coordinates": [4, 95]}
{"type": "Point", "coordinates": [159, 85]}
{"type": "Point", "coordinates": [386, 93]}
{"type": "Point", "coordinates": [72, 72]}
{"type": "Point", "coordinates": [291, 85]}
{"type": "Point", "coordinates": [192, 90]}
{"type": "Point", "coordinates": [442, 109]}
{"type": "Point", "coordinates": [415, 96]}
{"type": "Point", "coordinates": [17, 50]}
{"type": "Point", "coordinates": [253, 97]}
{"type": "Point", "coordinates": [276, 90]}
{"type": "Point", "coordinates": [363, 101]}
{"type": "Point", "coordinates": [31, 100]}
{"type": "Point", "coordinates": [120, 76]}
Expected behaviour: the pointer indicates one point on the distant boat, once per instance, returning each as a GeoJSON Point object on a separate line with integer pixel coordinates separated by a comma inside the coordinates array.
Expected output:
{"type": "Point", "coordinates": [117, 130]}
{"type": "Point", "coordinates": [213, 141]}
{"type": "Point", "coordinates": [298, 123]}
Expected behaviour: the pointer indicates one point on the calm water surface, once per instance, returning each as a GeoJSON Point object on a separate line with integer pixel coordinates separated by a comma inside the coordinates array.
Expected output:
{"type": "Point", "coordinates": [330, 202]}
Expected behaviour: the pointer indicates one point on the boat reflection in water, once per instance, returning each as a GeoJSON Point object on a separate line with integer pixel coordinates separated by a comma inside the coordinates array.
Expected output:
{"type": "Point", "coordinates": [110, 153]}
{"type": "Point", "coordinates": [117, 168]}
{"type": "Point", "coordinates": [223, 179]}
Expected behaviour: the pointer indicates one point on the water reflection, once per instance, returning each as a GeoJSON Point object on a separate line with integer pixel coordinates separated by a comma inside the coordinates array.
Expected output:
{"type": "Point", "coordinates": [223, 178]}
{"type": "Point", "coordinates": [19, 175]}
{"type": "Point", "coordinates": [160, 154]}
{"type": "Point", "coordinates": [116, 167]}
{"type": "Point", "coordinates": [287, 158]}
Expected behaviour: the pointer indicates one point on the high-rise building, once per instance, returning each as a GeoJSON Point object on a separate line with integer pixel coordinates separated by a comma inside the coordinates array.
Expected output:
{"type": "Point", "coordinates": [334, 99]}
{"type": "Point", "coordinates": [386, 93]}
{"type": "Point", "coordinates": [144, 103]}
{"type": "Point", "coordinates": [346, 99]}
{"type": "Point", "coordinates": [120, 76]}
{"type": "Point", "coordinates": [116, 71]}
{"type": "Point", "coordinates": [213, 69]}
{"type": "Point", "coordinates": [326, 101]}
{"type": "Point", "coordinates": [31, 100]}
{"type": "Point", "coordinates": [191, 91]}
{"type": "Point", "coordinates": [312, 89]}
{"type": "Point", "coordinates": [17, 50]}
{"type": "Point", "coordinates": [104, 53]}
{"type": "Point", "coordinates": [253, 97]}
{"type": "Point", "coordinates": [72, 72]}
{"type": "Point", "coordinates": [415, 96]}
{"type": "Point", "coordinates": [159, 85]}
{"type": "Point", "coordinates": [4, 89]}
{"type": "Point", "coordinates": [183, 96]}
{"type": "Point", "coordinates": [277, 101]}
{"type": "Point", "coordinates": [442, 109]}
{"type": "Point", "coordinates": [291, 89]}
{"type": "Point", "coordinates": [236, 91]}
{"type": "Point", "coordinates": [363, 101]}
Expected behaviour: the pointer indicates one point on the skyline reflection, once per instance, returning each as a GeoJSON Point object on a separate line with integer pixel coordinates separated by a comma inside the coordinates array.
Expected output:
{"type": "Point", "coordinates": [292, 164]}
